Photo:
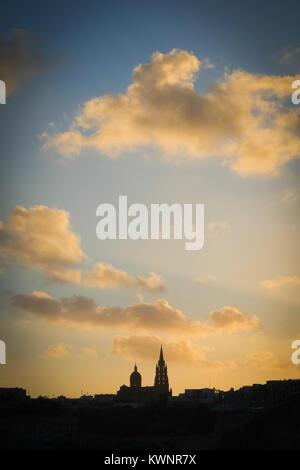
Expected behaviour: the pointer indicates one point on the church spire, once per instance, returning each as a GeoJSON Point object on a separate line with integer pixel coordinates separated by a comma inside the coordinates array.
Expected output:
{"type": "Point", "coordinates": [161, 356]}
{"type": "Point", "coordinates": [161, 381]}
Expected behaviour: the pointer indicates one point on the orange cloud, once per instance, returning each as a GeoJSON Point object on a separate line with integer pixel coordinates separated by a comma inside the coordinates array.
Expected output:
{"type": "Point", "coordinates": [206, 280]}
{"type": "Point", "coordinates": [242, 118]}
{"type": "Point", "coordinates": [105, 275]}
{"type": "Point", "coordinates": [59, 351]}
{"type": "Point", "coordinates": [89, 351]}
{"type": "Point", "coordinates": [182, 352]}
{"type": "Point", "coordinates": [41, 238]}
{"type": "Point", "coordinates": [265, 360]}
{"type": "Point", "coordinates": [281, 281]}
{"type": "Point", "coordinates": [230, 318]}
{"type": "Point", "coordinates": [156, 316]}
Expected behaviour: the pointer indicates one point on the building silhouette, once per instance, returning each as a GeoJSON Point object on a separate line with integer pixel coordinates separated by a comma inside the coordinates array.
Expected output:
{"type": "Point", "coordinates": [135, 378]}
{"type": "Point", "coordinates": [161, 381]}
{"type": "Point", "coordinates": [135, 393]}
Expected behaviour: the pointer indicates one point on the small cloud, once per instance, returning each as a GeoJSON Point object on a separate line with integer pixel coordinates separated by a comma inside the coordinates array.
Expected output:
{"type": "Point", "coordinates": [290, 56]}
{"type": "Point", "coordinates": [41, 238]}
{"type": "Point", "coordinates": [281, 281]}
{"type": "Point", "coordinates": [206, 280]}
{"type": "Point", "coordinates": [89, 351]}
{"type": "Point", "coordinates": [215, 228]}
{"type": "Point", "coordinates": [207, 64]}
{"type": "Point", "coordinates": [265, 360]}
{"type": "Point", "coordinates": [21, 57]}
{"type": "Point", "coordinates": [289, 197]}
{"type": "Point", "coordinates": [59, 351]}
{"type": "Point", "coordinates": [106, 276]}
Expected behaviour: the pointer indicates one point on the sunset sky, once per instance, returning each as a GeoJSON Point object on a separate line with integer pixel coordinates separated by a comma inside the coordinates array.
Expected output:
{"type": "Point", "coordinates": [169, 101]}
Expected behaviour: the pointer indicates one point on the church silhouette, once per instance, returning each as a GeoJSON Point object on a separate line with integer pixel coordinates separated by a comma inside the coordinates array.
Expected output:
{"type": "Point", "coordinates": [135, 393]}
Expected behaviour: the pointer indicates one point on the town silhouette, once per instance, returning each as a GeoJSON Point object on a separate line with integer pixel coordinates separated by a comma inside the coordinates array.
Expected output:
{"type": "Point", "coordinates": [149, 417]}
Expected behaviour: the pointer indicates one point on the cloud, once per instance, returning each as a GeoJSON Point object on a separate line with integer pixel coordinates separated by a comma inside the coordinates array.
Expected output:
{"type": "Point", "coordinates": [207, 64]}
{"type": "Point", "coordinates": [59, 351]}
{"type": "Point", "coordinates": [290, 197]}
{"type": "Point", "coordinates": [230, 318]}
{"type": "Point", "coordinates": [42, 238]}
{"type": "Point", "coordinates": [290, 56]}
{"type": "Point", "coordinates": [21, 57]}
{"type": "Point", "coordinates": [89, 351]}
{"type": "Point", "coordinates": [105, 275]}
{"type": "Point", "coordinates": [206, 280]}
{"type": "Point", "coordinates": [242, 118]}
{"type": "Point", "coordinates": [265, 360]}
{"type": "Point", "coordinates": [181, 352]}
{"type": "Point", "coordinates": [281, 281]}
{"type": "Point", "coordinates": [215, 228]}
{"type": "Point", "coordinates": [157, 316]}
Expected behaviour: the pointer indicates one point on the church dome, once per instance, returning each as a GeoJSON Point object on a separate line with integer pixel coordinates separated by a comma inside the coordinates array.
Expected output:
{"type": "Point", "coordinates": [135, 378]}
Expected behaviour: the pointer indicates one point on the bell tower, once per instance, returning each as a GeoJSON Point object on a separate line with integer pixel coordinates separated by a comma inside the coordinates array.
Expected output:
{"type": "Point", "coordinates": [161, 381]}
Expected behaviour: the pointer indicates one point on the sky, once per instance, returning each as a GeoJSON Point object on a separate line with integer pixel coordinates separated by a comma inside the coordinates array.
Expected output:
{"type": "Point", "coordinates": [174, 102]}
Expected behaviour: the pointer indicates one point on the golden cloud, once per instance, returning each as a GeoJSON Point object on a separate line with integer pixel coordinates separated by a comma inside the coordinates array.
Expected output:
{"type": "Point", "coordinates": [41, 238]}
{"type": "Point", "coordinates": [182, 352]}
{"type": "Point", "coordinates": [157, 316]}
{"type": "Point", "coordinates": [206, 280]}
{"type": "Point", "coordinates": [281, 281]}
{"type": "Point", "coordinates": [105, 275]}
{"type": "Point", "coordinates": [265, 360]}
{"type": "Point", "coordinates": [242, 118]}
{"type": "Point", "coordinates": [89, 351]}
{"type": "Point", "coordinates": [59, 351]}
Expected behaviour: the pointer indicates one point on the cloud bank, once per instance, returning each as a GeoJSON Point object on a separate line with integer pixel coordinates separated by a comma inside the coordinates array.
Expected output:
{"type": "Point", "coordinates": [82, 311]}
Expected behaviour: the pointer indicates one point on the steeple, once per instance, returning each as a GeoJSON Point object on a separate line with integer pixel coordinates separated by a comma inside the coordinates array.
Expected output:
{"type": "Point", "coordinates": [161, 381]}
{"type": "Point", "coordinates": [161, 356]}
